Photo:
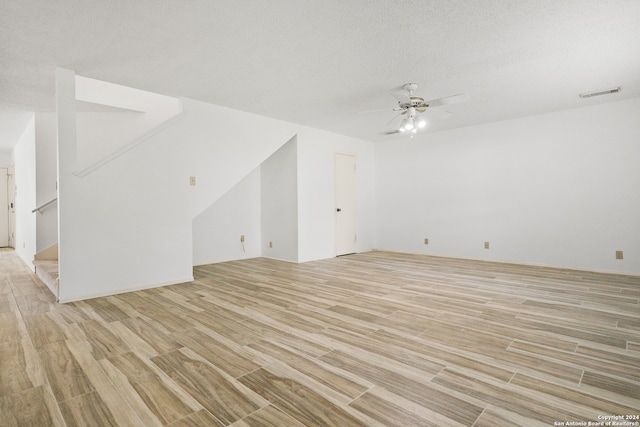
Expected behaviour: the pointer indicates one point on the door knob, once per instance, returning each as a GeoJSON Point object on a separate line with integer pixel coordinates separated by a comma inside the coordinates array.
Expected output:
{"type": "Point", "coordinates": [338, 210]}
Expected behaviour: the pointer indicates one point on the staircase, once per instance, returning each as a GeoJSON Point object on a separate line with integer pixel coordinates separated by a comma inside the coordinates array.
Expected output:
{"type": "Point", "coordinates": [46, 263]}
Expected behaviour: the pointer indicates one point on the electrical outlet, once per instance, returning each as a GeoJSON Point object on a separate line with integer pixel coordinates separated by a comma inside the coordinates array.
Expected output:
{"type": "Point", "coordinates": [242, 237]}
{"type": "Point", "coordinates": [486, 245]}
{"type": "Point", "coordinates": [270, 244]}
{"type": "Point", "coordinates": [619, 255]}
{"type": "Point", "coordinates": [426, 241]}
{"type": "Point", "coordinates": [192, 180]}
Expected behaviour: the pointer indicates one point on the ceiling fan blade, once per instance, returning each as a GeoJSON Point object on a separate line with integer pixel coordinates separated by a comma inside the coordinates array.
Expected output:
{"type": "Point", "coordinates": [394, 120]}
{"type": "Point", "coordinates": [402, 97]}
{"type": "Point", "coordinates": [438, 114]}
{"type": "Point", "coordinates": [391, 132]}
{"type": "Point", "coordinates": [448, 100]}
{"type": "Point", "coordinates": [376, 111]}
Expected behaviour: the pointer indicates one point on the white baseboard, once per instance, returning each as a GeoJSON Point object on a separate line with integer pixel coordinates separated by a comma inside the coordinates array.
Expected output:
{"type": "Point", "coordinates": [528, 264]}
{"type": "Point", "coordinates": [124, 291]}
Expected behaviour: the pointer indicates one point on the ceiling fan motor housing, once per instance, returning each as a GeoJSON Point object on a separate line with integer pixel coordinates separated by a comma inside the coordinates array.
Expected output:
{"type": "Point", "coordinates": [416, 101]}
{"type": "Point", "coordinates": [417, 104]}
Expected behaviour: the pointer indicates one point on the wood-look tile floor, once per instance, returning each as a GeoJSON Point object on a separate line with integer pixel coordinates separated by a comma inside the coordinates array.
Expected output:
{"type": "Point", "coordinates": [368, 339]}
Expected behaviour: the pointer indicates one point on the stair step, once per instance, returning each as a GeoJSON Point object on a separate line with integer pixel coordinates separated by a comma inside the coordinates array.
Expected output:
{"type": "Point", "coordinates": [47, 271]}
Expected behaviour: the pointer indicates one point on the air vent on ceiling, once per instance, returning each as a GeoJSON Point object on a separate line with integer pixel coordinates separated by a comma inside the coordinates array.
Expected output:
{"type": "Point", "coordinates": [600, 92]}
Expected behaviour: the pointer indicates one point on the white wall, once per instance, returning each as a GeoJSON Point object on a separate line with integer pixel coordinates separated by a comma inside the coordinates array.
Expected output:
{"type": "Point", "coordinates": [316, 192]}
{"type": "Point", "coordinates": [558, 189]}
{"type": "Point", "coordinates": [136, 112]}
{"type": "Point", "coordinates": [99, 134]}
{"type": "Point", "coordinates": [5, 158]}
{"type": "Point", "coordinates": [279, 203]}
{"type": "Point", "coordinates": [46, 178]}
{"type": "Point", "coordinates": [128, 224]}
{"type": "Point", "coordinates": [24, 159]}
{"type": "Point", "coordinates": [217, 230]}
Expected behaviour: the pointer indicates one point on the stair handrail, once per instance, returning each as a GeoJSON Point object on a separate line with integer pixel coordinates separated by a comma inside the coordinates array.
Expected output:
{"type": "Point", "coordinates": [44, 205]}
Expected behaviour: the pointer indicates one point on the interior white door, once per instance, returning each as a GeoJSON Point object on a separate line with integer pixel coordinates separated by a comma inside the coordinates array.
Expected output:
{"type": "Point", "coordinates": [4, 209]}
{"type": "Point", "coordinates": [11, 196]}
{"type": "Point", "coordinates": [346, 204]}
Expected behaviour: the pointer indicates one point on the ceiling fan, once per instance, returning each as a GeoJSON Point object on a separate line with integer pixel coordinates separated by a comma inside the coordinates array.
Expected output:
{"type": "Point", "coordinates": [413, 109]}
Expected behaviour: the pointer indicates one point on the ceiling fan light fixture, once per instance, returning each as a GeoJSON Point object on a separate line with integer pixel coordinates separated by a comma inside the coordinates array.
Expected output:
{"type": "Point", "coordinates": [410, 107]}
{"type": "Point", "coordinates": [409, 125]}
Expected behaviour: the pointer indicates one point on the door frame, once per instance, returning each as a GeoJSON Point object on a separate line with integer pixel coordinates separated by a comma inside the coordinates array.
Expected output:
{"type": "Point", "coordinates": [4, 205]}
{"type": "Point", "coordinates": [11, 199]}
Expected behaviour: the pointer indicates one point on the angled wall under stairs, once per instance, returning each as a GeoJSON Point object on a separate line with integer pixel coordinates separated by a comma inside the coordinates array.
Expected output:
{"type": "Point", "coordinates": [136, 210]}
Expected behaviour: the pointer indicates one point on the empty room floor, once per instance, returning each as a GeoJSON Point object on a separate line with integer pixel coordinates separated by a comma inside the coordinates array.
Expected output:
{"type": "Point", "coordinates": [369, 339]}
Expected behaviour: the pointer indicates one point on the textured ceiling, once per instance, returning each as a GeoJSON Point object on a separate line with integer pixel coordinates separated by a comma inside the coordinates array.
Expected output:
{"type": "Point", "coordinates": [320, 62]}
